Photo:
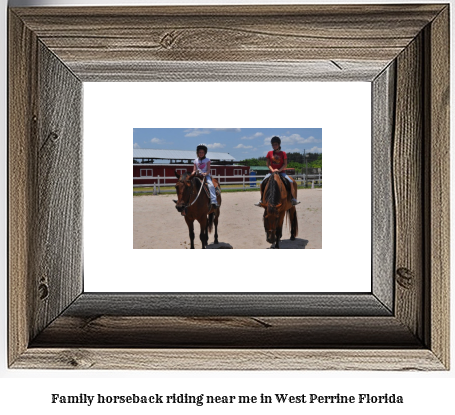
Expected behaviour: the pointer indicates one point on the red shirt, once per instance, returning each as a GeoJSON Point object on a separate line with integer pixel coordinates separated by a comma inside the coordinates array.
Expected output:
{"type": "Point", "coordinates": [277, 159]}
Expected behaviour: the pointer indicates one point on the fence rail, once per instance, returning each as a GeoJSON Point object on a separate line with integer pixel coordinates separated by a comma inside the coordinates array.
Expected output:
{"type": "Point", "coordinates": [245, 182]}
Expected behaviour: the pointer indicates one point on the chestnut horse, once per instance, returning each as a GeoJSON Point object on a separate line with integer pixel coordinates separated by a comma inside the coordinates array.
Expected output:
{"type": "Point", "coordinates": [194, 204]}
{"type": "Point", "coordinates": [277, 204]}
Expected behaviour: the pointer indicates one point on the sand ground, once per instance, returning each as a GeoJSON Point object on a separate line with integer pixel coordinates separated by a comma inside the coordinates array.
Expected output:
{"type": "Point", "coordinates": [158, 225]}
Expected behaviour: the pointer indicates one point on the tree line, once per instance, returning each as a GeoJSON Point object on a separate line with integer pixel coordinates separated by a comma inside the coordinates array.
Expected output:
{"type": "Point", "coordinates": [295, 160]}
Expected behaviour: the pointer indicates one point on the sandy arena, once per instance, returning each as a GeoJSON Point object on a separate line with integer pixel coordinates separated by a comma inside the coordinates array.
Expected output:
{"type": "Point", "coordinates": [158, 225]}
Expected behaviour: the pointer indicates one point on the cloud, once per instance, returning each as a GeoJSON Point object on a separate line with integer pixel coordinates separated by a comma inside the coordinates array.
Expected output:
{"type": "Point", "coordinates": [315, 150]}
{"type": "Point", "coordinates": [195, 132]}
{"type": "Point", "coordinates": [156, 141]}
{"type": "Point", "coordinates": [216, 145]}
{"type": "Point", "coordinates": [136, 145]}
{"type": "Point", "coordinates": [243, 146]}
{"type": "Point", "coordinates": [293, 139]}
{"type": "Point", "coordinates": [252, 137]}
{"type": "Point", "coordinates": [228, 129]}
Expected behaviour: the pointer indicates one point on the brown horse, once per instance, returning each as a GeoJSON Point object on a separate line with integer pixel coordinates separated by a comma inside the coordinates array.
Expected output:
{"type": "Point", "coordinates": [277, 204]}
{"type": "Point", "coordinates": [194, 204]}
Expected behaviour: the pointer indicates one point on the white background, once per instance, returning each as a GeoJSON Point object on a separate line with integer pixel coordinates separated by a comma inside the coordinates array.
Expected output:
{"type": "Point", "coordinates": [29, 391]}
{"type": "Point", "coordinates": [111, 110]}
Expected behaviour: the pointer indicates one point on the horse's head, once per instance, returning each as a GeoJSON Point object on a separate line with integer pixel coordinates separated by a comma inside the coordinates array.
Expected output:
{"type": "Point", "coordinates": [271, 222]}
{"type": "Point", "coordinates": [183, 188]}
{"type": "Point", "coordinates": [271, 205]}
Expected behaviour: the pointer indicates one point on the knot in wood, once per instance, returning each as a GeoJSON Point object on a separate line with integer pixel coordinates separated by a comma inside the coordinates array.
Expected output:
{"type": "Point", "coordinates": [168, 40]}
{"type": "Point", "coordinates": [53, 136]}
{"type": "Point", "coordinates": [43, 291]}
{"type": "Point", "coordinates": [405, 278]}
{"type": "Point", "coordinates": [76, 359]}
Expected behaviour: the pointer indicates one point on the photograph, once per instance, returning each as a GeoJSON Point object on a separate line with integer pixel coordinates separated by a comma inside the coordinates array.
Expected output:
{"type": "Point", "coordinates": [221, 103]}
{"type": "Point", "coordinates": [243, 188]}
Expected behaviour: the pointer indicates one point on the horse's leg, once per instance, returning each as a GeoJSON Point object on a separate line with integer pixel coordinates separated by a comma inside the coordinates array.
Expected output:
{"type": "Point", "coordinates": [203, 234]}
{"type": "Point", "coordinates": [293, 219]}
{"type": "Point", "coordinates": [279, 230]}
{"type": "Point", "coordinates": [277, 240]}
{"type": "Point", "coordinates": [191, 230]}
{"type": "Point", "coordinates": [217, 214]}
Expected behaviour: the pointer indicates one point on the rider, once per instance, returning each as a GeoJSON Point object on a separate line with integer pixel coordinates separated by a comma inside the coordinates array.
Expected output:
{"type": "Point", "coordinates": [202, 166]}
{"type": "Point", "coordinates": [277, 162]}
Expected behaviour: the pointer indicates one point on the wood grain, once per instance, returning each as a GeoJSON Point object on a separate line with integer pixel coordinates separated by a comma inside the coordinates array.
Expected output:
{"type": "Point", "coordinates": [58, 203]}
{"type": "Point", "coordinates": [21, 179]}
{"type": "Point", "coordinates": [228, 34]}
{"type": "Point", "coordinates": [306, 70]}
{"type": "Point", "coordinates": [438, 197]}
{"type": "Point", "coordinates": [256, 332]}
{"type": "Point", "coordinates": [408, 188]}
{"type": "Point", "coordinates": [88, 305]}
{"type": "Point", "coordinates": [229, 359]}
{"type": "Point", "coordinates": [383, 215]}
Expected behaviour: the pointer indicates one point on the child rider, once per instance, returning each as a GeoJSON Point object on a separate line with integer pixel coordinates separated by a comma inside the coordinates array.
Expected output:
{"type": "Point", "coordinates": [277, 162]}
{"type": "Point", "coordinates": [202, 166]}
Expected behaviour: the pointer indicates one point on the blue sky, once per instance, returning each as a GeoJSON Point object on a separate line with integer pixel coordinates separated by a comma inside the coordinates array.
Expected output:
{"type": "Point", "coordinates": [241, 143]}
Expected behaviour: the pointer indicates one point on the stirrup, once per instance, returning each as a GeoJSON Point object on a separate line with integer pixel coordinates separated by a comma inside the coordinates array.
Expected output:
{"type": "Point", "coordinates": [258, 203]}
{"type": "Point", "coordinates": [294, 202]}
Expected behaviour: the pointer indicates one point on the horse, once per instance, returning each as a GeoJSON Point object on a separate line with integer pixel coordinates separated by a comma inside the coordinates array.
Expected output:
{"type": "Point", "coordinates": [194, 204]}
{"type": "Point", "coordinates": [277, 204]}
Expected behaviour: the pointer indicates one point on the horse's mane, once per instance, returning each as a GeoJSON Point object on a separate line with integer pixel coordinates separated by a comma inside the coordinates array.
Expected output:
{"type": "Point", "coordinates": [183, 176]}
{"type": "Point", "coordinates": [196, 181]}
{"type": "Point", "coordinates": [272, 194]}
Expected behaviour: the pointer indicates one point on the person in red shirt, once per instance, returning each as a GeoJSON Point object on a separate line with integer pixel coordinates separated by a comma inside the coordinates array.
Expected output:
{"type": "Point", "coordinates": [277, 162]}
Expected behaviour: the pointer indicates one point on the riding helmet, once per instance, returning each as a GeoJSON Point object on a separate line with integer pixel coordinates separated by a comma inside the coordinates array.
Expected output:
{"type": "Point", "coordinates": [201, 146]}
{"type": "Point", "coordinates": [276, 140]}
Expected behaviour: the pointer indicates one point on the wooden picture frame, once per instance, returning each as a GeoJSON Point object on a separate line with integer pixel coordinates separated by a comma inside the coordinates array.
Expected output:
{"type": "Point", "coordinates": [403, 324]}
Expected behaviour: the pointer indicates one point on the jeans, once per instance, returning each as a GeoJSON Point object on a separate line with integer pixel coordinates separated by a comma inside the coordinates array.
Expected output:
{"type": "Point", "coordinates": [282, 174]}
{"type": "Point", "coordinates": [208, 179]}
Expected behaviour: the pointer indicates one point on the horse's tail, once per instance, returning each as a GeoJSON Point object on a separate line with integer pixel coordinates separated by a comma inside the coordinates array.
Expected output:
{"type": "Point", "coordinates": [292, 221]}
{"type": "Point", "coordinates": [210, 222]}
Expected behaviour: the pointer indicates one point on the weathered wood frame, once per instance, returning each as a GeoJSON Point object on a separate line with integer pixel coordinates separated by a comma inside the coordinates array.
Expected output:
{"type": "Point", "coordinates": [403, 50]}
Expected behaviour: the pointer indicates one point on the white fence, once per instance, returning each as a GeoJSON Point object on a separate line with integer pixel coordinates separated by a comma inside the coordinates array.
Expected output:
{"type": "Point", "coordinates": [244, 182]}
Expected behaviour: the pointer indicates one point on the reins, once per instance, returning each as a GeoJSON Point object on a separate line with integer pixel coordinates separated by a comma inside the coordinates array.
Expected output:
{"type": "Point", "coordinates": [202, 185]}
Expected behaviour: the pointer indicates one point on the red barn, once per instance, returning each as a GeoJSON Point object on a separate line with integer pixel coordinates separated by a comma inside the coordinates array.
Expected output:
{"type": "Point", "coordinates": [147, 172]}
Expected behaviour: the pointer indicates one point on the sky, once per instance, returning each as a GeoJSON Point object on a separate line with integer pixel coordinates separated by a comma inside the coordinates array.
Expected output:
{"type": "Point", "coordinates": [242, 143]}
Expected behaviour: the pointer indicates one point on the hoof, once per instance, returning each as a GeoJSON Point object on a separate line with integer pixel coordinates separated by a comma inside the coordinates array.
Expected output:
{"type": "Point", "coordinates": [292, 238]}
